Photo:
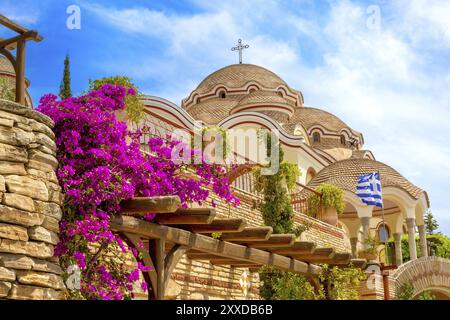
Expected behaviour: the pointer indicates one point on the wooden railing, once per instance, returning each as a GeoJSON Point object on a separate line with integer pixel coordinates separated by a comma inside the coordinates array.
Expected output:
{"type": "Point", "coordinates": [299, 199]}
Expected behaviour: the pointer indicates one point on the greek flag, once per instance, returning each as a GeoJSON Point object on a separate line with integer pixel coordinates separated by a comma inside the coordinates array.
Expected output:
{"type": "Point", "coordinates": [369, 189]}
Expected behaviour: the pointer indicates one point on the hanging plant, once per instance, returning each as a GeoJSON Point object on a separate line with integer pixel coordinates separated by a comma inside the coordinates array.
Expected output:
{"type": "Point", "coordinates": [330, 196]}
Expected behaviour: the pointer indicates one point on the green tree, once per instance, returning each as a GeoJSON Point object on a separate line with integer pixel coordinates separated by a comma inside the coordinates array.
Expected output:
{"type": "Point", "coordinates": [406, 291]}
{"type": "Point", "coordinates": [277, 210]}
{"type": "Point", "coordinates": [64, 89]}
{"type": "Point", "coordinates": [431, 224]}
{"type": "Point", "coordinates": [426, 295]}
{"type": "Point", "coordinates": [133, 106]}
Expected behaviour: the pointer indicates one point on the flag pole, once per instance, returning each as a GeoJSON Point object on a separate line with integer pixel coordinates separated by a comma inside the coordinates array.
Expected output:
{"type": "Point", "coordinates": [384, 223]}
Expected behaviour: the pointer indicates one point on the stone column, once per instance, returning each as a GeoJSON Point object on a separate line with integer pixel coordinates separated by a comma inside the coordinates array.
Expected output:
{"type": "Point", "coordinates": [398, 248]}
{"type": "Point", "coordinates": [365, 222]}
{"type": "Point", "coordinates": [30, 205]}
{"type": "Point", "coordinates": [410, 222]}
{"type": "Point", "coordinates": [354, 243]}
{"type": "Point", "coordinates": [423, 241]}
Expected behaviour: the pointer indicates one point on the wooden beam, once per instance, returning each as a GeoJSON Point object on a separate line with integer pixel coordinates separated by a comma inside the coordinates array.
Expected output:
{"type": "Point", "coordinates": [217, 225]}
{"type": "Point", "coordinates": [20, 72]}
{"type": "Point", "coordinates": [28, 35]}
{"type": "Point", "coordinates": [12, 25]}
{"type": "Point", "coordinates": [206, 244]}
{"type": "Point", "coordinates": [319, 255]}
{"type": "Point", "coordinates": [341, 258]}
{"type": "Point", "coordinates": [249, 234]}
{"type": "Point", "coordinates": [274, 241]}
{"type": "Point", "coordinates": [156, 251]}
{"type": "Point", "coordinates": [231, 262]}
{"type": "Point", "coordinates": [143, 205]}
{"type": "Point", "coordinates": [187, 216]}
{"type": "Point", "coordinates": [171, 260]}
{"type": "Point", "coordinates": [198, 255]}
{"type": "Point", "coordinates": [146, 259]}
{"type": "Point", "coordinates": [358, 263]}
{"type": "Point", "coordinates": [299, 247]}
{"type": "Point", "coordinates": [314, 270]}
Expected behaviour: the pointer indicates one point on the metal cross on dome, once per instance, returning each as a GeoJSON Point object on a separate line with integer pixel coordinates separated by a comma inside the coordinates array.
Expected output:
{"type": "Point", "coordinates": [240, 47]}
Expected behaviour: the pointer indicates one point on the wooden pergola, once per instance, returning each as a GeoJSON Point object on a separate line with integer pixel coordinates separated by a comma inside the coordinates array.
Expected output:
{"type": "Point", "coordinates": [177, 231]}
{"type": "Point", "coordinates": [17, 43]}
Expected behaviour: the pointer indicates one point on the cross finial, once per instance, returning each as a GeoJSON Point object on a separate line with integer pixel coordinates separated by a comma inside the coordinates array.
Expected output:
{"type": "Point", "coordinates": [240, 47]}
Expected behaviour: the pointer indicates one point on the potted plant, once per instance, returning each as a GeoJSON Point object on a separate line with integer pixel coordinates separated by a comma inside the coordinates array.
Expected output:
{"type": "Point", "coordinates": [327, 204]}
{"type": "Point", "coordinates": [370, 251]}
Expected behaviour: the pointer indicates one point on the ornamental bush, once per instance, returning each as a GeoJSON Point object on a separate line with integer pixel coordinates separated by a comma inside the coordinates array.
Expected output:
{"type": "Point", "coordinates": [331, 196]}
{"type": "Point", "coordinates": [97, 170]}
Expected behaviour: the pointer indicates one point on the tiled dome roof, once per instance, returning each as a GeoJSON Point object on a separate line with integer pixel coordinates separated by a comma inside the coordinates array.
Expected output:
{"type": "Point", "coordinates": [344, 174]}
{"type": "Point", "coordinates": [237, 75]}
{"type": "Point", "coordinates": [262, 97]}
{"type": "Point", "coordinates": [308, 117]}
{"type": "Point", "coordinates": [6, 66]}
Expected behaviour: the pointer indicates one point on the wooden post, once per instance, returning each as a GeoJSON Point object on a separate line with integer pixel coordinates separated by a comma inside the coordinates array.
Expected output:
{"type": "Point", "coordinates": [20, 72]}
{"type": "Point", "coordinates": [386, 285]}
{"type": "Point", "coordinates": [156, 251]}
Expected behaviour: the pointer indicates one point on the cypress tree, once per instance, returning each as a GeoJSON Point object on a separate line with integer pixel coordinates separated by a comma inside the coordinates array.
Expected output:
{"type": "Point", "coordinates": [431, 224]}
{"type": "Point", "coordinates": [64, 89]}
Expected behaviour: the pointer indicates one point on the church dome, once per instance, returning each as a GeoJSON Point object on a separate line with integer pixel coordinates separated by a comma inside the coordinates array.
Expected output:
{"type": "Point", "coordinates": [345, 173]}
{"type": "Point", "coordinates": [238, 75]}
{"type": "Point", "coordinates": [240, 79]}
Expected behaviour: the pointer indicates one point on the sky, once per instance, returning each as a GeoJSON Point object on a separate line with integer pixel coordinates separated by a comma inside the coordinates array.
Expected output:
{"type": "Point", "coordinates": [383, 67]}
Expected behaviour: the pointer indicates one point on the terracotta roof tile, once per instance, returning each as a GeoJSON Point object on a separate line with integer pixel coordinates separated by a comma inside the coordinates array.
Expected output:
{"type": "Point", "coordinates": [237, 75]}
{"type": "Point", "coordinates": [344, 174]}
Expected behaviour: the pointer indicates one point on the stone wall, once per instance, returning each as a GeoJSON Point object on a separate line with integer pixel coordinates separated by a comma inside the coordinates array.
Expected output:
{"type": "Point", "coordinates": [30, 200]}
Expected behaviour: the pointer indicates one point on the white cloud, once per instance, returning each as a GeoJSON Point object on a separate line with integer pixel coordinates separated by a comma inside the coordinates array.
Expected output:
{"type": "Point", "coordinates": [24, 14]}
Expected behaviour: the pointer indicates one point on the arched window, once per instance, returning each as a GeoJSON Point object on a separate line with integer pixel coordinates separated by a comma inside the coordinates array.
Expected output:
{"type": "Point", "coordinates": [252, 90]}
{"type": "Point", "coordinates": [316, 137]}
{"type": "Point", "coordinates": [222, 94]}
{"type": "Point", "coordinates": [280, 93]}
{"type": "Point", "coordinates": [343, 141]}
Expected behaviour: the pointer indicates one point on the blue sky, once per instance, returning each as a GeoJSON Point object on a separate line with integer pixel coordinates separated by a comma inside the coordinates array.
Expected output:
{"type": "Point", "coordinates": [389, 80]}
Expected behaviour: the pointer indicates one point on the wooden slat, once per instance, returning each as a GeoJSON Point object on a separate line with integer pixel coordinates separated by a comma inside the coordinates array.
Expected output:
{"type": "Point", "coordinates": [28, 35]}
{"type": "Point", "coordinates": [201, 255]}
{"type": "Point", "coordinates": [187, 216]}
{"type": "Point", "coordinates": [217, 225]}
{"type": "Point", "coordinates": [275, 240]}
{"type": "Point", "coordinates": [249, 234]}
{"type": "Point", "coordinates": [231, 262]}
{"type": "Point", "coordinates": [319, 255]}
{"type": "Point", "coordinates": [341, 258]}
{"type": "Point", "coordinates": [142, 205]}
{"type": "Point", "coordinates": [299, 247]}
{"type": "Point", "coordinates": [206, 244]}
{"type": "Point", "coordinates": [12, 25]}
{"type": "Point", "coordinates": [358, 263]}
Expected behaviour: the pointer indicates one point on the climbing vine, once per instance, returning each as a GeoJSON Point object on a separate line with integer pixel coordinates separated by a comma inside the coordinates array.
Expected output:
{"type": "Point", "coordinates": [98, 169]}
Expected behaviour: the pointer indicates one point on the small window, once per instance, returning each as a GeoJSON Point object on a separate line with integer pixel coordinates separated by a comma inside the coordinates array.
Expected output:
{"type": "Point", "coordinates": [316, 137]}
{"type": "Point", "coordinates": [343, 141]}
{"type": "Point", "coordinates": [280, 93]}
{"type": "Point", "coordinates": [383, 233]}
{"type": "Point", "coordinates": [222, 94]}
{"type": "Point", "coordinates": [252, 90]}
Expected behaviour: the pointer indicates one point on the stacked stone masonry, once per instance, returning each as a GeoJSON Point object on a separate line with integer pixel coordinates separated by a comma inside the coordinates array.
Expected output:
{"type": "Point", "coordinates": [30, 205]}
